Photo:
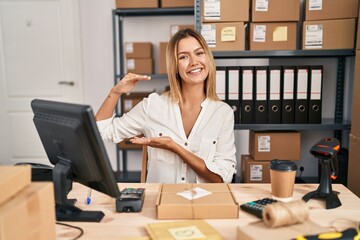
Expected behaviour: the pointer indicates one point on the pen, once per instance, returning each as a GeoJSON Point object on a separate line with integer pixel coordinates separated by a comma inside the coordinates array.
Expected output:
{"type": "Point", "coordinates": [88, 199]}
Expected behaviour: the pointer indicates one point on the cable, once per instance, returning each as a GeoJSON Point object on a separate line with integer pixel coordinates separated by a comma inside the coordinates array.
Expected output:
{"type": "Point", "coordinates": [71, 226]}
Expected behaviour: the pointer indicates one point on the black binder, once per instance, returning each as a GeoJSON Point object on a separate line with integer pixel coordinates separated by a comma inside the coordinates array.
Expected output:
{"type": "Point", "coordinates": [315, 99]}
{"type": "Point", "coordinates": [301, 94]}
{"type": "Point", "coordinates": [221, 83]}
{"type": "Point", "coordinates": [287, 95]}
{"type": "Point", "coordinates": [274, 94]}
{"type": "Point", "coordinates": [260, 94]}
{"type": "Point", "coordinates": [247, 97]}
{"type": "Point", "coordinates": [233, 91]}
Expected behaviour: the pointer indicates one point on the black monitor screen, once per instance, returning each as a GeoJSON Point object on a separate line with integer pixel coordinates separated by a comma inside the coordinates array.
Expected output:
{"type": "Point", "coordinates": [73, 144]}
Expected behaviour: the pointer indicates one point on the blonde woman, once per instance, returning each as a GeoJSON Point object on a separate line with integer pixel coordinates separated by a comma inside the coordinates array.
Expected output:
{"type": "Point", "coordinates": [188, 130]}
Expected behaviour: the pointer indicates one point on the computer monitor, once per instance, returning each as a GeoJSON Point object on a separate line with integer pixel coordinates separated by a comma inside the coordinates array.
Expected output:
{"type": "Point", "coordinates": [73, 144]}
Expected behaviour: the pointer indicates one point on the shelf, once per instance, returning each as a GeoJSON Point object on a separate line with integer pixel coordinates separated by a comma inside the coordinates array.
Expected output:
{"type": "Point", "coordinates": [154, 12]}
{"type": "Point", "coordinates": [327, 124]}
{"type": "Point", "coordinates": [284, 54]}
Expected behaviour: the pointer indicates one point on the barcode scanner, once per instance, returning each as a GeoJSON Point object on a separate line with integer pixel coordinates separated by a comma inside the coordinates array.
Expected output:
{"type": "Point", "coordinates": [326, 152]}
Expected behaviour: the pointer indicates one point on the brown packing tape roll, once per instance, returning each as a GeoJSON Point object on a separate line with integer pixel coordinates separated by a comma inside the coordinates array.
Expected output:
{"type": "Point", "coordinates": [283, 214]}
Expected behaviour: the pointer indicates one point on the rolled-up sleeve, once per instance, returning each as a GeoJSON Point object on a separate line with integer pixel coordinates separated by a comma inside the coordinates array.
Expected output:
{"type": "Point", "coordinates": [116, 129]}
{"type": "Point", "coordinates": [223, 159]}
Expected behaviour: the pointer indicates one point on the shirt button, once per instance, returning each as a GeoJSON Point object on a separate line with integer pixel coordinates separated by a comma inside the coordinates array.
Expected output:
{"type": "Point", "coordinates": [214, 142]}
{"type": "Point", "coordinates": [186, 144]}
{"type": "Point", "coordinates": [160, 134]}
{"type": "Point", "coordinates": [182, 178]}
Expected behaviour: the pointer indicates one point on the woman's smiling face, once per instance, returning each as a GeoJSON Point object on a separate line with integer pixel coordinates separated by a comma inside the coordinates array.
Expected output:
{"type": "Point", "coordinates": [193, 64]}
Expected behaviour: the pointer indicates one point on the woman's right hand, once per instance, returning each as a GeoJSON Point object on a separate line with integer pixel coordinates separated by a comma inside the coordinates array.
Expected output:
{"type": "Point", "coordinates": [128, 82]}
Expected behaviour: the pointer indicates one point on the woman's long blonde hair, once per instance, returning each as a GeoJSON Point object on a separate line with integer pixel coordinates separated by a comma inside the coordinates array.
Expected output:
{"type": "Point", "coordinates": [172, 66]}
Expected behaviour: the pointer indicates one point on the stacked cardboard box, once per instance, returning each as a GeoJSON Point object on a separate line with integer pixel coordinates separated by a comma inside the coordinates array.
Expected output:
{"type": "Point", "coordinates": [272, 27]}
{"type": "Point", "coordinates": [139, 57]}
{"type": "Point", "coordinates": [223, 24]}
{"type": "Point", "coordinates": [125, 4]}
{"type": "Point", "coordinates": [329, 24]}
{"type": "Point", "coordinates": [176, 3]}
{"type": "Point", "coordinates": [27, 210]}
{"type": "Point", "coordinates": [265, 146]}
{"type": "Point", "coordinates": [353, 182]}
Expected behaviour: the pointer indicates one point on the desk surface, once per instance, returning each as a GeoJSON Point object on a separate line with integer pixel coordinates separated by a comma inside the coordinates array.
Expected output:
{"type": "Point", "coordinates": [123, 225]}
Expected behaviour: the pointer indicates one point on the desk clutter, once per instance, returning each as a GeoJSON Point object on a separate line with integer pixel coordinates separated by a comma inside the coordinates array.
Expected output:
{"type": "Point", "coordinates": [26, 208]}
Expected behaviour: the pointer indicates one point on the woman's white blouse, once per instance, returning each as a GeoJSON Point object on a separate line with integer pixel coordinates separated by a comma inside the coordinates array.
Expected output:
{"type": "Point", "coordinates": [212, 137]}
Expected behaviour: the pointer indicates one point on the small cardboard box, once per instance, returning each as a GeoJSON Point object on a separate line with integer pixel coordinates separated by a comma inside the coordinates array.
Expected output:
{"type": "Point", "coordinates": [138, 50]}
{"type": "Point", "coordinates": [358, 35]}
{"type": "Point", "coordinates": [140, 65]}
{"type": "Point", "coordinates": [254, 171]}
{"type": "Point", "coordinates": [162, 57]}
{"type": "Point", "coordinates": [273, 11]}
{"type": "Point", "coordinates": [273, 36]}
{"type": "Point", "coordinates": [229, 36]}
{"type": "Point", "coordinates": [30, 214]}
{"type": "Point", "coordinates": [329, 34]}
{"type": "Point", "coordinates": [137, 4]}
{"type": "Point", "coordinates": [13, 179]}
{"type": "Point", "coordinates": [269, 145]}
{"type": "Point", "coordinates": [175, 28]}
{"type": "Point", "coordinates": [354, 165]}
{"type": "Point", "coordinates": [177, 3]}
{"type": "Point", "coordinates": [220, 203]}
{"type": "Point", "coordinates": [225, 11]}
{"type": "Point", "coordinates": [330, 9]}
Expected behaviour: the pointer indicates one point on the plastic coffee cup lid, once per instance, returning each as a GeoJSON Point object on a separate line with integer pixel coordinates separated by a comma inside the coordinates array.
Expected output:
{"type": "Point", "coordinates": [282, 165]}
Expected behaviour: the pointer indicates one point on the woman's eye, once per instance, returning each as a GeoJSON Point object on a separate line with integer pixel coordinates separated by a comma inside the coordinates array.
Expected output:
{"type": "Point", "coordinates": [182, 57]}
{"type": "Point", "coordinates": [200, 53]}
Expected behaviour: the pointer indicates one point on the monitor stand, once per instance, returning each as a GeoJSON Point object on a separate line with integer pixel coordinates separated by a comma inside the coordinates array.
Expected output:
{"type": "Point", "coordinates": [65, 208]}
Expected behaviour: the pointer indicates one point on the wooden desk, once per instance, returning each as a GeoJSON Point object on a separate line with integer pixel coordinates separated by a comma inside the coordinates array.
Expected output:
{"type": "Point", "coordinates": [123, 225]}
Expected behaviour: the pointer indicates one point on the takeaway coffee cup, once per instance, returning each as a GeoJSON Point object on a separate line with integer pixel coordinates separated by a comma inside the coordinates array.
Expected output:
{"type": "Point", "coordinates": [282, 178]}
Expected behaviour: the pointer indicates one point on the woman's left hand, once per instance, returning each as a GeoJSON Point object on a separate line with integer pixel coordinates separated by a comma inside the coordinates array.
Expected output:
{"type": "Point", "coordinates": [156, 142]}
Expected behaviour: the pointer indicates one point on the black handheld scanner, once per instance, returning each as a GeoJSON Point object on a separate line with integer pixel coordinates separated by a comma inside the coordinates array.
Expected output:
{"type": "Point", "coordinates": [328, 148]}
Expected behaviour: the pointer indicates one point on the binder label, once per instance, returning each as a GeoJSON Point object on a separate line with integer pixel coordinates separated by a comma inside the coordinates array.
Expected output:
{"type": "Point", "coordinates": [220, 84]}
{"type": "Point", "coordinates": [288, 84]}
{"type": "Point", "coordinates": [247, 93]}
{"type": "Point", "coordinates": [315, 93]}
{"type": "Point", "coordinates": [263, 143]}
{"type": "Point", "coordinates": [233, 84]}
{"type": "Point", "coordinates": [261, 85]}
{"type": "Point", "coordinates": [302, 84]}
{"type": "Point", "coordinates": [275, 84]}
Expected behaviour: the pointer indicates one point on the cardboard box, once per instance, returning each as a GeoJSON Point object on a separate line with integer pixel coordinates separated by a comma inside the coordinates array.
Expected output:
{"type": "Point", "coordinates": [275, 11]}
{"type": "Point", "coordinates": [330, 9]}
{"type": "Point", "coordinates": [353, 182]}
{"type": "Point", "coordinates": [225, 11]}
{"type": "Point", "coordinates": [140, 65]}
{"type": "Point", "coordinates": [13, 179]}
{"type": "Point", "coordinates": [138, 50]}
{"type": "Point", "coordinates": [358, 35]}
{"type": "Point", "coordinates": [228, 36]}
{"type": "Point", "coordinates": [137, 4]}
{"type": "Point", "coordinates": [162, 58]}
{"type": "Point", "coordinates": [355, 116]}
{"type": "Point", "coordinates": [273, 36]}
{"type": "Point", "coordinates": [30, 214]}
{"type": "Point", "coordinates": [220, 203]}
{"type": "Point", "coordinates": [177, 3]}
{"type": "Point", "coordinates": [175, 28]}
{"type": "Point", "coordinates": [254, 171]}
{"type": "Point", "coordinates": [329, 34]}
{"type": "Point", "coordinates": [269, 145]}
